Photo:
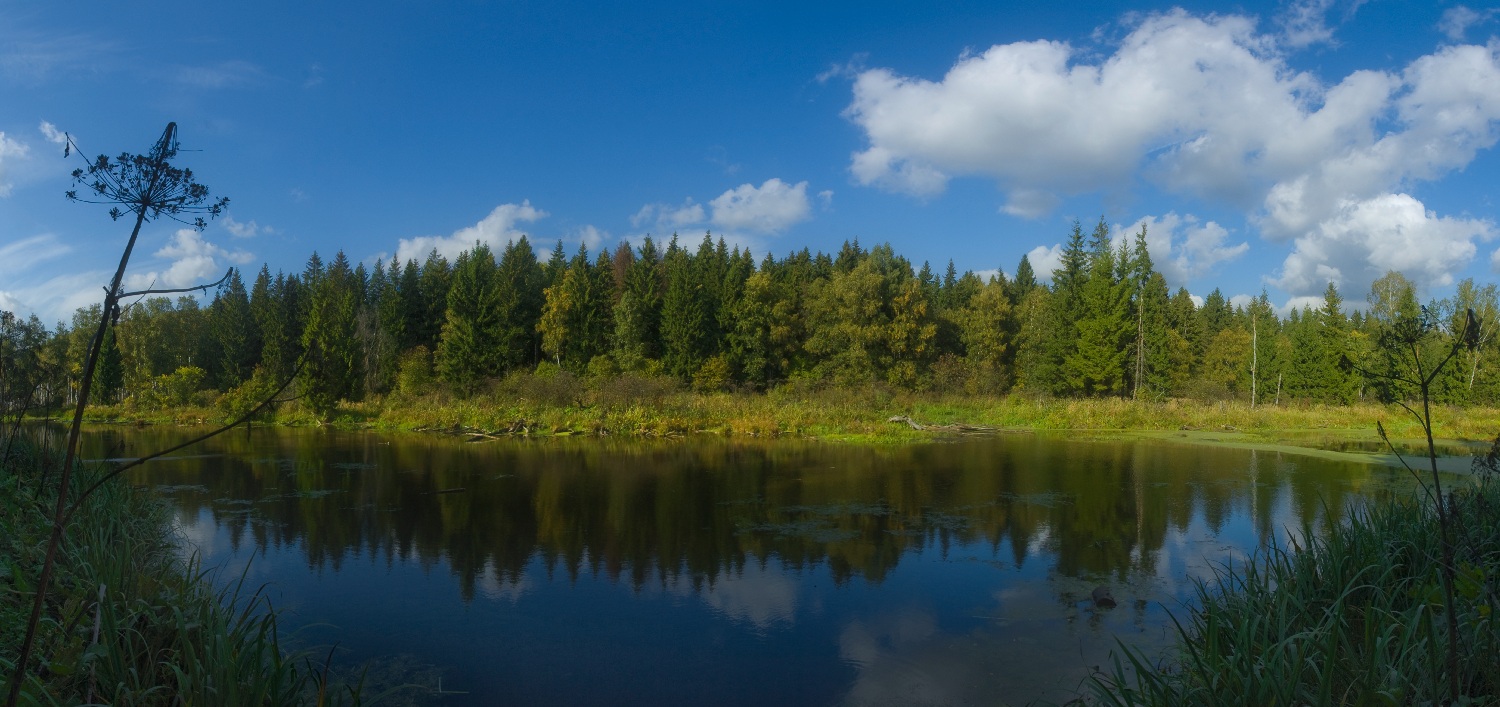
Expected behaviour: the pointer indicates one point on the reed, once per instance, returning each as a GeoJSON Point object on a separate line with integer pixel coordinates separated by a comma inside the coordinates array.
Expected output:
{"type": "Point", "coordinates": [132, 618]}
{"type": "Point", "coordinates": [1348, 614]}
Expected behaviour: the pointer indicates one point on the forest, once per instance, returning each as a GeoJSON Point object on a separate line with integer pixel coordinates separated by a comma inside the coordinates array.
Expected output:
{"type": "Point", "coordinates": [712, 318]}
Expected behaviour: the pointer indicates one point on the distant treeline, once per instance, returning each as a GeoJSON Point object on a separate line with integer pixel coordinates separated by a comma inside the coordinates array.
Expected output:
{"type": "Point", "coordinates": [714, 318]}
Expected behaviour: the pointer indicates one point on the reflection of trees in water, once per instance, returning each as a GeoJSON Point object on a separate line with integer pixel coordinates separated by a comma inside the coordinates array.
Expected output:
{"type": "Point", "coordinates": [644, 512]}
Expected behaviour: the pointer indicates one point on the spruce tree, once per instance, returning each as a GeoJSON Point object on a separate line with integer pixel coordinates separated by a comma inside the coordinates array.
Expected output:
{"type": "Point", "coordinates": [519, 284]}
{"type": "Point", "coordinates": [332, 359]}
{"type": "Point", "coordinates": [684, 316]}
{"type": "Point", "coordinates": [470, 347]}
{"type": "Point", "coordinates": [233, 325]}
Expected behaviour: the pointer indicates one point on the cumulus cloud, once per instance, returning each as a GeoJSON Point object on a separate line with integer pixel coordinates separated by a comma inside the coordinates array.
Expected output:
{"type": "Point", "coordinates": [592, 238]}
{"type": "Point", "coordinates": [667, 218]}
{"type": "Point", "coordinates": [193, 260]}
{"type": "Point", "coordinates": [1182, 248]}
{"type": "Point", "coordinates": [1457, 20]}
{"type": "Point", "coordinates": [772, 207]}
{"type": "Point", "coordinates": [1199, 106]}
{"type": "Point", "coordinates": [1368, 238]}
{"type": "Point", "coordinates": [53, 135]}
{"type": "Point", "coordinates": [494, 230]}
{"type": "Point", "coordinates": [1305, 23]}
{"type": "Point", "coordinates": [243, 230]}
{"type": "Point", "coordinates": [1044, 260]}
{"type": "Point", "coordinates": [738, 213]}
{"type": "Point", "coordinates": [10, 151]}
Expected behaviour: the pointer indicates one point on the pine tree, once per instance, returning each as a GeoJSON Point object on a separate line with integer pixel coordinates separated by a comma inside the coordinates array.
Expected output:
{"type": "Point", "coordinates": [470, 347]}
{"type": "Point", "coordinates": [431, 301]}
{"type": "Point", "coordinates": [576, 317]}
{"type": "Point", "coordinates": [332, 359]}
{"type": "Point", "coordinates": [684, 316]}
{"type": "Point", "coordinates": [1096, 365]}
{"type": "Point", "coordinates": [233, 325]}
{"type": "Point", "coordinates": [109, 376]}
{"type": "Point", "coordinates": [637, 323]}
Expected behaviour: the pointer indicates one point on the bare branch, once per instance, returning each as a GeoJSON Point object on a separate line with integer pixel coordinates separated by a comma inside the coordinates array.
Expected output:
{"type": "Point", "coordinates": [204, 287]}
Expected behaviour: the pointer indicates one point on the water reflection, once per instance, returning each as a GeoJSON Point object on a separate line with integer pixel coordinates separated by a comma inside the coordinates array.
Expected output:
{"type": "Point", "coordinates": [792, 572]}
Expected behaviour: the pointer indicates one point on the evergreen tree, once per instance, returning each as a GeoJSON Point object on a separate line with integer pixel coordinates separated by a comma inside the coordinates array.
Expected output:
{"type": "Point", "coordinates": [470, 347]}
{"type": "Point", "coordinates": [332, 359]}
{"type": "Point", "coordinates": [1023, 283]}
{"type": "Point", "coordinates": [1096, 366]}
{"type": "Point", "coordinates": [109, 374]}
{"type": "Point", "coordinates": [232, 323]}
{"type": "Point", "coordinates": [684, 316]}
{"type": "Point", "coordinates": [519, 285]}
{"type": "Point", "coordinates": [638, 314]}
{"type": "Point", "coordinates": [432, 301]}
{"type": "Point", "coordinates": [575, 322]}
{"type": "Point", "coordinates": [767, 329]}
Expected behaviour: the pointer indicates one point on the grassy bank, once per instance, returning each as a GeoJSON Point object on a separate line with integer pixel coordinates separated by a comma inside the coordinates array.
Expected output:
{"type": "Point", "coordinates": [631, 406]}
{"type": "Point", "coordinates": [129, 619]}
{"type": "Point", "coordinates": [1355, 617]}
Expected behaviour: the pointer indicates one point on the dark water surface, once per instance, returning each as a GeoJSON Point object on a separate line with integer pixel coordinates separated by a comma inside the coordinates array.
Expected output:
{"type": "Point", "coordinates": [725, 572]}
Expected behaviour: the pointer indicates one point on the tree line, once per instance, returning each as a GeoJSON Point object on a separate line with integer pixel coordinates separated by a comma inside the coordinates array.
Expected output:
{"type": "Point", "coordinates": [1106, 324]}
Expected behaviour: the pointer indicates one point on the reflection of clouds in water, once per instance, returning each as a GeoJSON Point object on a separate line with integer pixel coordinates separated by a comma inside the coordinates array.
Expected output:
{"type": "Point", "coordinates": [903, 659]}
{"type": "Point", "coordinates": [756, 595]}
{"type": "Point", "coordinates": [492, 586]}
{"type": "Point", "coordinates": [200, 534]}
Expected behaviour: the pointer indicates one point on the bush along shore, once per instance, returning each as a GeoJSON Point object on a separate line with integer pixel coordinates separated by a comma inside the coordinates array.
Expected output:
{"type": "Point", "coordinates": [131, 617]}
{"type": "Point", "coordinates": [1351, 614]}
{"type": "Point", "coordinates": [555, 402]}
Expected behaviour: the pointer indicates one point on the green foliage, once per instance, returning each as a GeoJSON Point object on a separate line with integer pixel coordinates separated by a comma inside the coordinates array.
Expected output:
{"type": "Point", "coordinates": [331, 358]}
{"type": "Point", "coordinates": [414, 372]}
{"type": "Point", "coordinates": [169, 390]}
{"type": "Point", "coordinates": [109, 373]}
{"type": "Point", "coordinates": [471, 346]}
{"type": "Point", "coordinates": [1348, 617]}
{"type": "Point", "coordinates": [712, 376]}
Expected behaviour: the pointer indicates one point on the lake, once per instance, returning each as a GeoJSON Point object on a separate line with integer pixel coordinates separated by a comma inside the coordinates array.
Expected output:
{"type": "Point", "coordinates": [726, 571]}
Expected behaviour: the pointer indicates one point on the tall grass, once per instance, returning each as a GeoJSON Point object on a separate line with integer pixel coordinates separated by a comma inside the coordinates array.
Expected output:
{"type": "Point", "coordinates": [131, 619]}
{"type": "Point", "coordinates": [1355, 615]}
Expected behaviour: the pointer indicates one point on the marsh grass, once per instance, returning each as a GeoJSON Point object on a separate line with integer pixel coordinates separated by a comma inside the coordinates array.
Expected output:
{"type": "Point", "coordinates": [133, 620]}
{"type": "Point", "coordinates": [1350, 615]}
{"type": "Point", "coordinates": [628, 405]}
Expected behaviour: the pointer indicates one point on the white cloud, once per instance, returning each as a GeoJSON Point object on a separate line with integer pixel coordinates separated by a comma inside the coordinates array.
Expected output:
{"type": "Point", "coordinates": [1199, 106]}
{"type": "Point", "coordinates": [1044, 260]}
{"type": "Point", "coordinates": [668, 218]}
{"type": "Point", "coordinates": [10, 151]}
{"type": "Point", "coordinates": [1030, 203]}
{"type": "Point", "coordinates": [493, 230]}
{"type": "Point", "coordinates": [1304, 23]}
{"type": "Point", "coordinates": [1368, 238]}
{"type": "Point", "coordinates": [243, 230]}
{"type": "Point", "coordinates": [1182, 248]}
{"type": "Point", "coordinates": [21, 256]}
{"type": "Point", "coordinates": [592, 238]}
{"type": "Point", "coordinates": [57, 297]}
{"type": "Point", "coordinates": [53, 135]}
{"type": "Point", "coordinates": [193, 261]}
{"type": "Point", "coordinates": [1457, 20]}
{"type": "Point", "coordinates": [826, 196]}
{"type": "Point", "coordinates": [772, 207]}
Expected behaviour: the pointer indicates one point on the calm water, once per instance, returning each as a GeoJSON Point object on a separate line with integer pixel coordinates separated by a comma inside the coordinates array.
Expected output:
{"type": "Point", "coordinates": [725, 572]}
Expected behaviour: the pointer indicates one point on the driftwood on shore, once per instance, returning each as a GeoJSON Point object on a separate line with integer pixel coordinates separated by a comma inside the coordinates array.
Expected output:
{"type": "Point", "coordinates": [957, 427]}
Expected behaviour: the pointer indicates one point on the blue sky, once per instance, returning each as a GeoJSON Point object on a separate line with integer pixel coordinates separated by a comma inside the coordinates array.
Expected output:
{"type": "Point", "coordinates": [1266, 146]}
